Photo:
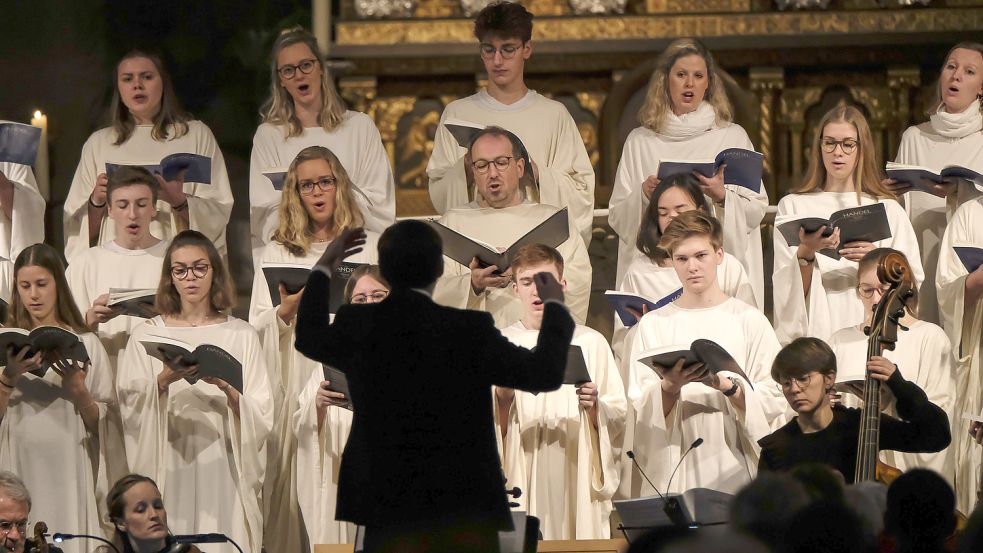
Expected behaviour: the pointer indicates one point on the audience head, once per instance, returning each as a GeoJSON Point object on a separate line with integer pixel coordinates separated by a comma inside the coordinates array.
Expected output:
{"type": "Point", "coordinates": [366, 285]}
{"type": "Point", "coordinates": [527, 262]}
{"type": "Point", "coordinates": [920, 512]}
{"type": "Point", "coordinates": [821, 482]}
{"type": "Point", "coordinates": [317, 192]}
{"type": "Point", "coordinates": [411, 255]}
{"type": "Point", "coordinates": [694, 242]}
{"type": "Point", "coordinates": [136, 509]}
{"type": "Point", "coordinates": [805, 371]}
{"type": "Point", "coordinates": [763, 508]}
{"type": "Point", "coordinates": [672, 196]}
{"type": "Point", "coordinates": [971, 538]}
{"type": "Point", "coordinates": [15, 510]}
{"type": "Point", "coordinates": [843, 150]}
{"type": "Point", "coordinates": [144, 95]}
{"type": "Point", "coordinates": [131, 196]}
{"type": "Point", "coordinates": [871, 288]}
{"type": "Point", "coordinates": [504, 31]}
{"type": "Point", "coordinates": [869, 501]}
{"type": "Point", "coordinates": [192, 272]}
{"type": "Point", "coordinates": [499, 165]}
{"type": "Point", "coordinates": [960, 79]}
{"type": "Point", "coordinates": [298, 78]}
{"type": "Point", "coordinates": [723, 542]}
{"type": "Point", "coordinates": [42, 294]}
{"type": "Point", "coordinates": [826, 526]}
{"type": "Point", "coordinates": [685, 76]}
{"type": "Point", "coordinates": [658, 539]}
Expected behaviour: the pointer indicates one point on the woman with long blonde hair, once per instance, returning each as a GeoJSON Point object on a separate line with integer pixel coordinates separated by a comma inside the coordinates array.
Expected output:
{"type": "Point", "coordinates": [953, 135]}
{"type": "Point", "coordinates": [303, 110]}
{"type": "Point", "coordinates": [202, 439]}
{"type": "Point", "coordinates": [687, 116]}
{"type": "Point", "coordinates": [147, 124]}
{"type": "Point", "coordinates": [815, 291]}
{"type": "Point", "coordinates": [318, 202]}
{"type": "Point", "coordinates": [54, 411]}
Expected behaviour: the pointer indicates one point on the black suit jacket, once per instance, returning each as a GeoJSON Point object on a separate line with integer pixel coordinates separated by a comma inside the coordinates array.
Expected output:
{"type": "Point", "coordinates": [422, 447]}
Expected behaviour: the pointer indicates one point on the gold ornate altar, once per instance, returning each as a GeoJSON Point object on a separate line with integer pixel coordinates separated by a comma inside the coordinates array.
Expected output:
{"type": "Point", "coordinates": [785, 68]}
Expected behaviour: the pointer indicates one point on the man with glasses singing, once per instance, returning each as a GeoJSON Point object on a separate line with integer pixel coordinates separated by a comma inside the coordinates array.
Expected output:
{"type": "Point", "coordinates": [498, 217]}
{"type": "Point", "coordinates": [560, 164]}
{"type": "Point", "coordinates": [805, 371]}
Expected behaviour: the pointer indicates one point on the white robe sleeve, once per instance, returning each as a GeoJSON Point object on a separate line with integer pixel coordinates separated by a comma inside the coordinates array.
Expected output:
{"type": "Point", "coordinates": [264, 200]}
{"type": "Point", "coordinates": [798, 306]}
{"type": "Point", "coordinates": [75, 212]}
{"type": "Point", "coordinates": [567, 178]}
{"type": "Point", "coordinates": [373, 176]}
{"type": "Point", "coordinates": [209, 205]}
{"type": "Point", "coordinates": [26, 226]}
{"type": "Point", "coordinates": [627, 200]}
{"type": "Point", "coordinates": [448, 184]}
{"type": "Point", "coordinates": [318, 464]}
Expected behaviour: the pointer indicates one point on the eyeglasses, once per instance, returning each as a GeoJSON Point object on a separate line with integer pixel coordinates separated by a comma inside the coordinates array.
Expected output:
{"type": "Point", "coordinates": [501, 163]}
{"type": "Point", "coordinates": [7, 526]}
{"type": "Point", "coordinates": [288, 71]}
{"type": "Point", "coordinates": [181, 272]}
{"type": "Point", "coordinates": [325, 184]}
{"type": "Point", "coordinates": [848, 145]}
{"type": "Point", "coordinates": [374, 297]}
{"type": "Point", "coordinates": [867, 292]}
{"type": "Point", "coordinates": [801, 381]}
{"type": "Point", "coordinates": [507, 51]}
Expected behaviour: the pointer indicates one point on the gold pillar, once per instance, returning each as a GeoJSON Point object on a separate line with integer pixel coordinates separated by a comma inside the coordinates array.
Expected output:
{"type": "Point", "coordinates": [360, 93]}
{"type": "Point", "coordinates": [901, 80]}
{"type": "Point", "coordinates": [766, 82]}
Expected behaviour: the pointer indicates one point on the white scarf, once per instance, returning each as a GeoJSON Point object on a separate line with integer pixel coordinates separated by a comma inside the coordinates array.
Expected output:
{"type": "Point", "coordinates": [958, 125]}
{"type": "Point", "coordinates": [688, 125]}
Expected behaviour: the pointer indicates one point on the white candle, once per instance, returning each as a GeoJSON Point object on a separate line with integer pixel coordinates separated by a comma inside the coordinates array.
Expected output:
{"type": "Point", "coordinates": [41, 163]}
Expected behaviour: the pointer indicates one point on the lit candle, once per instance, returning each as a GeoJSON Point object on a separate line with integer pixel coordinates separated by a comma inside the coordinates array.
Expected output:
{"type": "Point", "coordinates": [41, 163]}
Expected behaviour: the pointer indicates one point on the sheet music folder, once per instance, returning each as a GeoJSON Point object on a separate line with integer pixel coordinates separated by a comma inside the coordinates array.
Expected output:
{"type": "Point", "coordinates": [700, 507]}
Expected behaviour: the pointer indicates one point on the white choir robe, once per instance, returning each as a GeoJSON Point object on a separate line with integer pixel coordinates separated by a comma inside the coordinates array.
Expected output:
{"type": "Point", "coordinates": [43, 440]}
{"type": "Point", "coordinates": [500, 228]}
{"type": "Point", "coordinates": [570, 469]}
{"type": "Point", "coordinates": [740, 217]}
{"type": "Point", "coordinates": [358, 145]}
{"type": "Point", "coordinates": [209, 205]}
{"type": "Point", "coordinates": [550, 135]}
{"type": "Point", "coordinates": [289, 372]}
{"type": "Point", "coordinates": [831, 303]}
{"type": "Point", "coordinates": [923, 354]}
{"type": "Point", "coordinates": [208, 462]}
{"type": "Point", "coordinates": [646, 279]}
{"type": "Point", "coordinates": [318, 462]}
{"type": "Point", "coordinates": [728, 458]}
{"type": "Point", "coordinates": [110, 265]}
{"type": "Point", "coordinates": [964, 325]}
{"type": "Point", "coordinates": [26, 225]}
{"type": "Point", "coordinates": [922, 145]}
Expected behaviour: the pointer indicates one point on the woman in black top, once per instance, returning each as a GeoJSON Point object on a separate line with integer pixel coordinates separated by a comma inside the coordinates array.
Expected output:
{"type": "Point", "coordinates": [825, 433]}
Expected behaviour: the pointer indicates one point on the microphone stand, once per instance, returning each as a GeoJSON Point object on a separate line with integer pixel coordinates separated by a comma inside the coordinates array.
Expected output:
{"type": "Point", "coordinates": [59, 537]}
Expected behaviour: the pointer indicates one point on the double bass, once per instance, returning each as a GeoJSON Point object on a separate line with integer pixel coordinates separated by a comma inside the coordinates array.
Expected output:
{"type": "Point", "coordinates": [882, 335]}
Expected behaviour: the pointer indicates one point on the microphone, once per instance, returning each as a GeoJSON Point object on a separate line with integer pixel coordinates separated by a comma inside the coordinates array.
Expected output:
{"type": "Point", "coordinates": [58, 537]}
{"type": "Point", "coordinates": [673, 509]}
{"type": "Point", "coordinates": [205, 538]}
{"type": "Point", "coordinates": [631, 455]}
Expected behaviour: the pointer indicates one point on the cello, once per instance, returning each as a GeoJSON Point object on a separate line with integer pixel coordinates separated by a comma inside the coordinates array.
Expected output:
{"type": "Point", "coordinates": [882, 335]}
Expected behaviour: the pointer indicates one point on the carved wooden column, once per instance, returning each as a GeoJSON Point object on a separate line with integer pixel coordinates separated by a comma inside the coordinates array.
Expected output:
{"type": "Point", "coordinates": [901, 81]}
{"type": "Point", "coordinates": [791, 114]}
{"type": "Point", "coordinates": [359, 93]}
{"type": "Point", "coordinates": [880, 105]}
{"type": "Point", "coordinates": [766, 82]}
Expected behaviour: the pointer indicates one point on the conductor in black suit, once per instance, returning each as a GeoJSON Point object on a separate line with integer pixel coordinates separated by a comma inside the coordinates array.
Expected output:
{"type": "Point", "coordinates": [421, 469]}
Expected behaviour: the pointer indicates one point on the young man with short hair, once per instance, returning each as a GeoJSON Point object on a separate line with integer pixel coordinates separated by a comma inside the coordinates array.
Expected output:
{"type": "Point", "coordinates": [688, 403]}
{"type": "Point", "coordinates": [560, 164]}
{"type": "Point", "coordinates": [563, 447]}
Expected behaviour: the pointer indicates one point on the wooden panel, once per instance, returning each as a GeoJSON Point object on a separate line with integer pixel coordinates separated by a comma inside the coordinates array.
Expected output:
{"type": "Point", "coordinates": [582, 546]}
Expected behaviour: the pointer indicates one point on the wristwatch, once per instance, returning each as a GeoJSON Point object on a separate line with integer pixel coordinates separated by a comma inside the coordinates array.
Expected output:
{"type": "Point", "coordinates": [806, 262]}
{"type": "Point", "coordinates": [733, 388]}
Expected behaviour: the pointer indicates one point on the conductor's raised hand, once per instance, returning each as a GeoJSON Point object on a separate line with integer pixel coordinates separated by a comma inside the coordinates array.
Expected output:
{"type": "Point", "coordinates": [547, 287]}
{"type": "Point", "coordinates": [345, 245]}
